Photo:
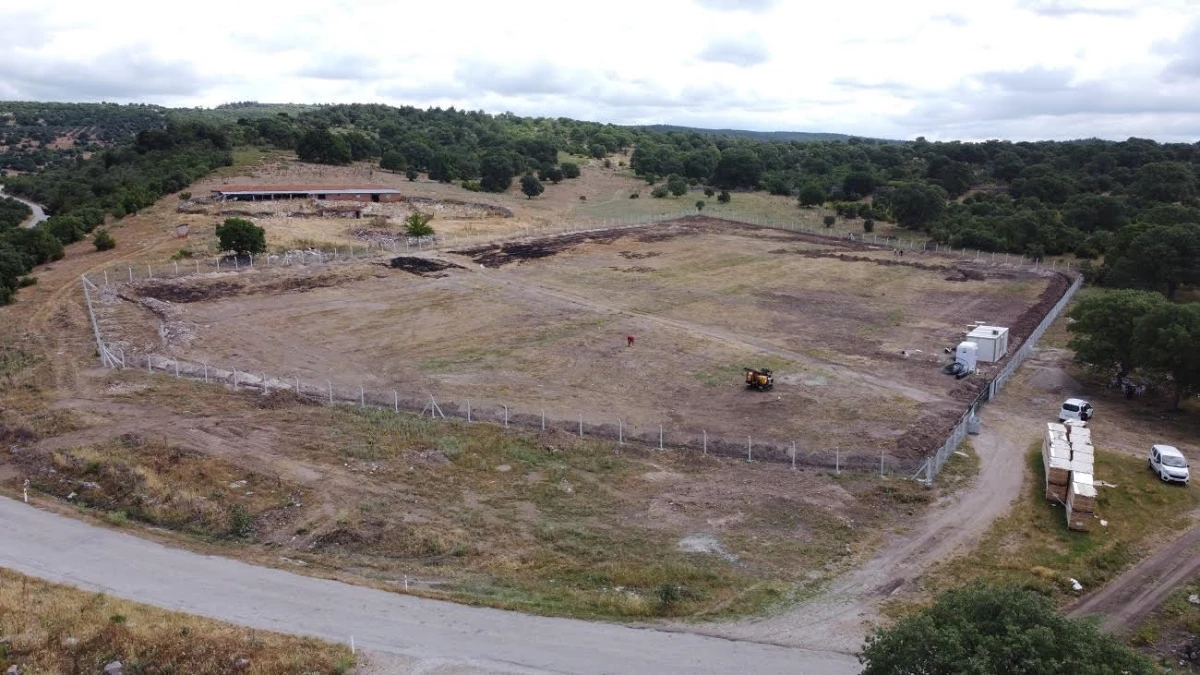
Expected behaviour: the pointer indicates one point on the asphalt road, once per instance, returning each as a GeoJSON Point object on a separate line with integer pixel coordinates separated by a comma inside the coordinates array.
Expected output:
{"type": "Point", "coordinates": [38, 213]}
{"type": "Point", "coordinates": [435, 634]}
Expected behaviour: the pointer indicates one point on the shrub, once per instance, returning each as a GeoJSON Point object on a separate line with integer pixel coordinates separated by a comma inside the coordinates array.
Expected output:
{"type": "Point", "coordinates": [182, 254]}
{"type": "Point", "coordinates": [241, 236]}
{"type": "Point", "coordinates": [184, 196]}
{"type": "Point", "coordinates": [241, 523]}
{"type": "Point", "coordinates": [868, 225]}
{"type": "Point", "coordinates": [709, 192]}
{"type": "Point", "coordinates": [724, 197]}
{"type": "Point", "coordinates": [417, 225]}
{"type": "Point", "coordinates": [570, 170]}
{"type": "Point", "coordinates": [634, 195]}
{"type": "Point", "coordinates": [660, 192]}
{"type": "Point", "coordinates": [583, 198]}
{"type": "Point", "coordinates": [607, 163]}
{"type": "Point", "coordinates": [472, 185]}
{"type": "Point", "coordinates": [829, 221]}
{"type": "Point", "coordinates": [411, 174]}
{"type": "Point", "coordinates": [27, 281]}
{"type": "Point", "coordinates": [700, 205]}
{"type": "Point", "coordinates": [104, 241]}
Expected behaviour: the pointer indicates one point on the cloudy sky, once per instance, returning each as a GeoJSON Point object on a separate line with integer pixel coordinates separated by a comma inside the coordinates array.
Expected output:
{"type": "Point", "coordinates": [1018, 69]}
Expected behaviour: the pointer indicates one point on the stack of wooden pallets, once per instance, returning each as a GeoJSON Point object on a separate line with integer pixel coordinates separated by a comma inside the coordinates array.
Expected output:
{"type": "Point", "coordinates": [1070, 461]}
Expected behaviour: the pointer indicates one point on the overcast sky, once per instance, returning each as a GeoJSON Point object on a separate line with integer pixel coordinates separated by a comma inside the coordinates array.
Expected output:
{"type": "Point", "coordinates": [1017, 69]}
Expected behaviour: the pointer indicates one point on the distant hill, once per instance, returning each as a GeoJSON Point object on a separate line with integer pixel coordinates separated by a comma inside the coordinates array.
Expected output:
{"type": "Point", "coordinates": [786, 136]}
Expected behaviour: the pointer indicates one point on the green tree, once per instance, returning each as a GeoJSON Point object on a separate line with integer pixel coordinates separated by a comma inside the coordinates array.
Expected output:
{"type": "Point", "coordinates": [915, 205]}
{"type": "Point", "coordinates": [1102, 328]}
{"type": "Point", "coordinates": [709, 192]}
{"type": "Point", "coordinates": [859, 183]}
{"type": "Point", "coordinates": [531, 186]}
{"type": "Point", "coordinates": [553, 174]}
{"type": "Point", "coordinates": [497, 172]}
{"type": "Point", "coordinates": [322, 146]}
{"type": "Point", "coordinates": [1165, 182]}
{"type": "Point", "coordinates": [677, 185]}
{"type": "Point", "coordinates": [1163, 257]}
{"type": "Point", "coordinates": [738, 167]}
{"type": "Point", "coordinates": [411, 174]}
{"type": "Point", "coordinates": [660, 192]}
{"type": "Point", "coordinates": [417, 225]}
{"type": "Point", "coordinates": [103, 241]}
{"type": "Point", "coordinates": [570, 170]}
{"type": "Point", "coordinates": [393, 161]}
{"type": "Point", "coordinates": [724, 197]}
{"type": "Point", "coordinates": [812, 194]}
{"type": "Point", "coordinates": [241, 236]}
{"type": "Point", "coordinates": [829, 221]}
{"type": "Point", "coordinates": [868, 225]}
{"type": "Point", "coordinates": [1165, 341]}
{"type": "Point", "coordinates": [700, 205]}
{"type": "Point", "coordinates": [986, 630]}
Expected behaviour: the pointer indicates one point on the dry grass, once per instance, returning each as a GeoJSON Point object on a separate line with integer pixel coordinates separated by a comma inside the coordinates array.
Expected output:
{"type": "Point", "coordinates": [48, 628]}
{"type": "Point", "coordinates": [1032, 546]}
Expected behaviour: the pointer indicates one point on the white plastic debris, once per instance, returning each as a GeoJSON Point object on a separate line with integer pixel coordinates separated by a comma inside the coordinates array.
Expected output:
{"type": "Point", "coordinates": [1194, 599]}
{"type": "Point", "coordinates": [1103, 523]}
{"type": "Point", "coordinates": [1075, 585]}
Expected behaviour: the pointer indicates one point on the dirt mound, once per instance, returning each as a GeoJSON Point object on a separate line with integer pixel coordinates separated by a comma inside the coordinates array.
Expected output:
{"type": "Point", "coordinates": [963, 274]}
{"type": "Point", "coordinates": [424, 267]}
{"type": "Point", "coordinates": [280, 398]}
{"type": "Point", "coordinates": [1031, 317]}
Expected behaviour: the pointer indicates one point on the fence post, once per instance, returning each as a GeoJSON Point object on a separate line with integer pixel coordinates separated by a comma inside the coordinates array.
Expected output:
{"type": "Point", "coordinates": [793, 455]}
{"type": "Point", "coordinates": [235, 383]}
{"type": "Point", "coordinates": [149, 364]}
{"type": "Point", "coordinates": [705, 441]}
{"type": "Point", "coordinates": [362, 397]}
{"type": "Point", "coordinates": [297, 389]}
{"type": "Point", "coordinates": [543, 420]}
{"type": "Point", "coordinates": [620, 432]}
{"type": "Point", "coordinates": [581, 426]}
{"type": "Point", "coordinates": [176, 367]}
{"type": "Point", "coordinates": [395, 401]}
{"type": "Point", "coordinates": [205, 373]}
{"type": "Point", "coordinates": [266, 389]}
{"type": "Point", "coordinates": [131, 275]}
{"type": "Point", "coordinates": [149, 272]}
{"type": "Point", "coordinates": [505, 417]}
{"type": "Point", "coordinates": [176, 268]}
{"type": "Point", "coordinates": [660, 437]}
{"type": "Point", "coordinates": [837, 461]}
{"type": "Point", "coordinates": [881, 464]}
{"type": "Point", "coordinates": [468, 410]}
{"type": "Point", "coordinates": [749, 450]}
{"type": "Point", "coordinates": [329, 385]}
{"type": "Point", "coordinates": [106, 277]}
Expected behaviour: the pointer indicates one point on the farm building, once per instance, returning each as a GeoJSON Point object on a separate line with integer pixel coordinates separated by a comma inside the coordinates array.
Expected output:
{"type": "Point", "coordinates": [355, 193]}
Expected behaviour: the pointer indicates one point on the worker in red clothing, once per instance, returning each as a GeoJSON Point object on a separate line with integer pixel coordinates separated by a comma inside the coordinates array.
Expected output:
{"type": "Point", "coordinates": [628, 340]}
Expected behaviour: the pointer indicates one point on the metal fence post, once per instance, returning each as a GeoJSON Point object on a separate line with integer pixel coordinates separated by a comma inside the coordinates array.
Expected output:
{"type": "Point", "coordinates": [543, 420]}
{"type": "Point", "coordinates": [660, 437]}
{"type": "Point", "coordinates": [395, 401]}
{"type": "Point", "coordinates": [330, 387]}
{"type": "Point", "coordinates": [620, 432]}
{"type": "Point", "coordinates": [505, 417]}
{"type": "Point", "coordinates": [793, 455]}
{"type": "Point", "coordinates": [837, 461]}
{"type": "Point", "coordinates": [362, 397]}
{"type": "Point", "coordinates": [468, 410]}
{"type": "Point", "coordinates": [705, 441]}
{"type": "Point", "coordinates": [581, 426]}
{"type": "Point", "coordinates": [749, 450]}
{"type": "Point", "coordinates": [205, 373]}
{"type": "Point", "coordinates": [235, 382]}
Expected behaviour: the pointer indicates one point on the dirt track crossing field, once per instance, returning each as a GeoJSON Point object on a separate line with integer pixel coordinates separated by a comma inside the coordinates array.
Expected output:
{"type": "Point", "coordinates": [542, 325]}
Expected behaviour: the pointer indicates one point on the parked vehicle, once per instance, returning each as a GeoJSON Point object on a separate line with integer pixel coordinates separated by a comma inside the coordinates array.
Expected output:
{"type": "Point", "coordinates": [1075, 409]}
{"type": "Point", "coordinates": [1169, 463]}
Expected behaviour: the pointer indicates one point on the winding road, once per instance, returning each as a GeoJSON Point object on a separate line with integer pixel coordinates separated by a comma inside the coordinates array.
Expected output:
{"type": "Point", "coordinates": [39, 214]}
{"type": "Point", "coordinates": [430, 634]}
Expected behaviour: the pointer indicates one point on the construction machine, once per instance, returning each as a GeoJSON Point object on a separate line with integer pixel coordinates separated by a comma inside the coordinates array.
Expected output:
{"type": "Point", "coordinates": [759, 379]}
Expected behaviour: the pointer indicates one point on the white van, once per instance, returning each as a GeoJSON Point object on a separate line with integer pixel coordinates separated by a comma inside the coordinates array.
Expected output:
{"type": "Point", "coordinates": [1169, 463]}
{"type": "Point", "coordinates": [1075, 409]}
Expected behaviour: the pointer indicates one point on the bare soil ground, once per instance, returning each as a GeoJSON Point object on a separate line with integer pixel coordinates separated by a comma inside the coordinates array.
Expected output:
{"type": "Point", "coordinates": [541, 325]}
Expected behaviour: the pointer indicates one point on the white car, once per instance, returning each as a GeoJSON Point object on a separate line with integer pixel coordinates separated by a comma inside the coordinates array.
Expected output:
{"type": "Point", "coordinates": [1168, 463]}
{"type": "Point", "coordinates": [1075, 409]}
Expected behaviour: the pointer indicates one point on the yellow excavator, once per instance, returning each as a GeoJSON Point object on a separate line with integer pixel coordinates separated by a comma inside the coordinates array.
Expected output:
{"type": "Point", "coordinates": [759, 379]}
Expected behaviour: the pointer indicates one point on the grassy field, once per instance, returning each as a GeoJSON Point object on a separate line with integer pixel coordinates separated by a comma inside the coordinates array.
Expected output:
{"type": "Point", "coordinates": [48, 628]}
{"type": "Point", "coordinates": [545, 523]}
{"type": "Point", "coordinates": [1032, 547]}
{"type": "Point", "coordinates": [1172, 633]}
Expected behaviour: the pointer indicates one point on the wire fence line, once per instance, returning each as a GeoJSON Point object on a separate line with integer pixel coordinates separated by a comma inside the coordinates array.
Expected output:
{"type": "Point", "coordinates": [938, 459]}
{"type": "Point", "coordinates": [655, 436]}
{"type": "Point", "coordinates": [382, 247]}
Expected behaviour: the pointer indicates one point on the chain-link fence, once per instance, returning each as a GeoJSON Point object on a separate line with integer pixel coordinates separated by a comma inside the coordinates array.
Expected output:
{"type": "Point", "coordinates": [938, 459]}
{"type": "Point", "coordinates": [588, 424]}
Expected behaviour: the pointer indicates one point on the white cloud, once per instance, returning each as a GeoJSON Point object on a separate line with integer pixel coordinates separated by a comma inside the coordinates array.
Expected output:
{"type": "Point", "coordinates": [1014, 68]}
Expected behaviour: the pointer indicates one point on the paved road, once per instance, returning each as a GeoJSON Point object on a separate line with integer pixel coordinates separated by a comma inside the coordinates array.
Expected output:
{"type": "Point", "coordinates": [39, 214]}
{"type": "Point", "coordinates": [436, 634]}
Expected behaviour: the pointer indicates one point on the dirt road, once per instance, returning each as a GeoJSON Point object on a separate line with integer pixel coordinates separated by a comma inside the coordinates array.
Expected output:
{"type": "Point", "coordinates": [1129, 598]}
{"type": "Point", "coordinates": [840, 618]}
{"type": "Point", "coordinates": [428, 634]}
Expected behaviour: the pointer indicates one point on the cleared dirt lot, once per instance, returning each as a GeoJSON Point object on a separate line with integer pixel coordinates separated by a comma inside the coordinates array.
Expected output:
{"type": "Point", "coordinates": [542, 325]}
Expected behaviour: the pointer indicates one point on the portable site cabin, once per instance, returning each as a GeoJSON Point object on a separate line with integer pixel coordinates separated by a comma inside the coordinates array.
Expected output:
{"type": "Point", "coordinates": [992, 342]}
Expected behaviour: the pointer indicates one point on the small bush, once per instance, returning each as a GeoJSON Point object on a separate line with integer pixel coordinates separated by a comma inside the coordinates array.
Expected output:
{"type": "Point", "coordinates": [104, 241]}
{"type": "Point", "coordinates": [184, 196]}
{"type": "Point", "coordinates": [583, 198]}
{"type": "Point", "coordinates": [700, 205]}
{"type": "Point", "coordinates": [709, 192]}
{"type": "Point", "coordinates": [26, 282]}
{"type": "Point", "coordinates": [417, 225]}
{"type": "Point", "coordinates": [182, 254]}
{"type": "Point", "coordinates": [724, 197]}
{"type": "Point", "coordinates": [607, 163]}
{"type": "Point", "coordinates": [472, 185]}
{"type": "Point", "coordinates": [634, 195]}
{"type": "Point", "coordinates": [668, 596]}
{"type": "Point", "coordinates": [660, 192]}
{"type": "Point", "coordinates": [868, 225]}
{"type": "Point", "coordinates": [241, 523]}
{"type": "Point", "coordinates": [411, 174]}
{"type": "Point", "coordinates": [829, 221]}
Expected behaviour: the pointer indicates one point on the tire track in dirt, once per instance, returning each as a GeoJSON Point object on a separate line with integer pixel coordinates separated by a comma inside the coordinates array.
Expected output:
{"type": "Point", "coordinates": [841, 617]}
{"type": "Point", "coordinates": [540, 288]}
{"type": "Point", "coordinates": [1131, 597]}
